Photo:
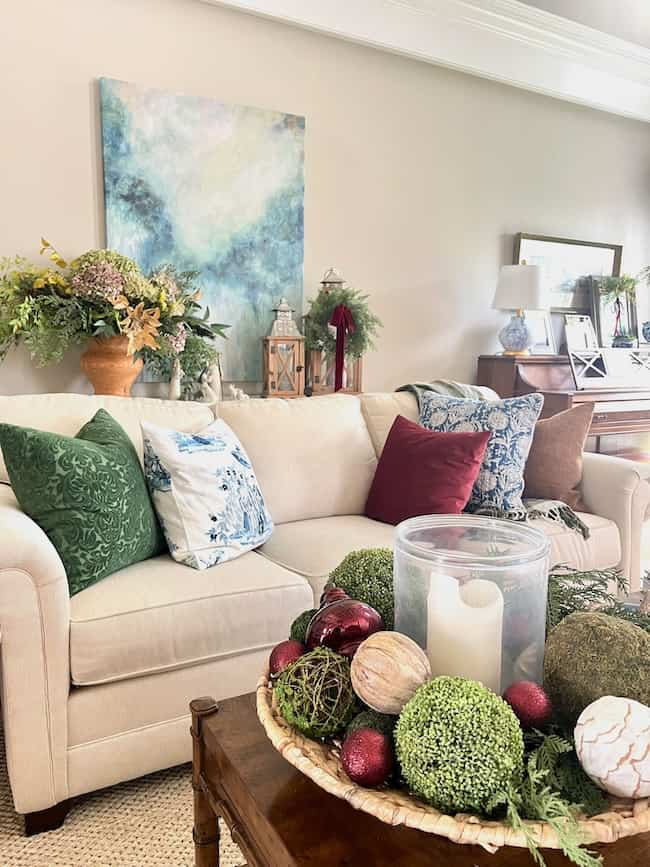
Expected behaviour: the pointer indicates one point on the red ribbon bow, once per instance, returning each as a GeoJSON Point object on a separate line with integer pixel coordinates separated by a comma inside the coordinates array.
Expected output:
{"type": "Point", "coordinates": [344, 323]}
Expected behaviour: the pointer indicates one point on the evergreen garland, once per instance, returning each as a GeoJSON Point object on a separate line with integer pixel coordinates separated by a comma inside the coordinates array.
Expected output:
{"type": "Point", "coordinates": [318, 335]}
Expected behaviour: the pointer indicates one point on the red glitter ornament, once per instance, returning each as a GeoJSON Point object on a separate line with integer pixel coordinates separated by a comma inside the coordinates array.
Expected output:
{"type": "Point", "coordinates": [367, 757]}
{"type": "Point", "coordinates": [531, 704]}
{"type": "Point", "coordinates": [284, 654]}
{"type": "Point", "coordinates": [343, 624]}
{"type": "Point", "coordinates": [332, 594]}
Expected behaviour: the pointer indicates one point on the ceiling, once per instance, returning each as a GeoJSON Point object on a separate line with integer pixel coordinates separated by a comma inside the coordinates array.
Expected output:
{"type": "Point", "coordinates": [627, 19]}
{"type": "Point", "coordinates": [519, 43]}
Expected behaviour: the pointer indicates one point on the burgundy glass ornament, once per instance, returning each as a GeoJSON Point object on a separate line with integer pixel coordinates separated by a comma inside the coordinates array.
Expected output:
{"type": "Point", "coordinates": [343, 625]}
{"type": "Point", "coordinates": [332, 594]}
{"type": "Point", "coordinates": [283, 654]}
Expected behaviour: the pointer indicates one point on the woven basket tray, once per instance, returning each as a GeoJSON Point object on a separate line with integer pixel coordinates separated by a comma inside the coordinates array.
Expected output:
{"type": "Point", "coordinates": [320, 762]}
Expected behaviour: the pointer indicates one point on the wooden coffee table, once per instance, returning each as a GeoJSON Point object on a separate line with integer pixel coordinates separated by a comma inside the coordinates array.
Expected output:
{"type": "Point", "coordinates": [279, 818]}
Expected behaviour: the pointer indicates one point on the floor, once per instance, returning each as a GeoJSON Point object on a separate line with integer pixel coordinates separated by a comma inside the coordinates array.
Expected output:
{"type": "Point", "coordinates": [144, 823]}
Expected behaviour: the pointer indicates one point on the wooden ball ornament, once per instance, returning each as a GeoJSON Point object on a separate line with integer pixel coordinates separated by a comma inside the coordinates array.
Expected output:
{"type": "Point", "coordinates": [387, 669]}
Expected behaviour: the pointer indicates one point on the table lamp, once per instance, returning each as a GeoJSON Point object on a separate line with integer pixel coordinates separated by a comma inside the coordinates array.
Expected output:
{"type": "Point", "coordinates": [519, 288]}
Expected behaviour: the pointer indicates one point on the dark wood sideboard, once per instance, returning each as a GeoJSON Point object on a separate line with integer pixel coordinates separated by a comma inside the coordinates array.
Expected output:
{"type": "Point", "coordinates": [619, 411]}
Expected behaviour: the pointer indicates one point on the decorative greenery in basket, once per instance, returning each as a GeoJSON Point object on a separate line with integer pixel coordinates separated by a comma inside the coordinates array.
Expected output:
{"type": "Point", "coordinates": [319, 336]}
{"type": "Point", "coordinates": [504, 770]}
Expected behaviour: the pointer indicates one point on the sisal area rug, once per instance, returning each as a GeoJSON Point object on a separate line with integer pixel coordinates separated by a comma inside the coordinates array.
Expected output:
{"type": "Point", "coordinates": [143, 823]}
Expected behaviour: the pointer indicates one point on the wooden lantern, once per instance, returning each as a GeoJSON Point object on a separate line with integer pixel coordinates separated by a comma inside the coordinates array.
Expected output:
{"type": "Point", "coordinates": [284, 355]}
{"type": "Point", "coordinates": [320, 366]}
{"type": "Point", "coordinates": [320, 374]}
{"type": "Point", "coordinates": [284, 366]}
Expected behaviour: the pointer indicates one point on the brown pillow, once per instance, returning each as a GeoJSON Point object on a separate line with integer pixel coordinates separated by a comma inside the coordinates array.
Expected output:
{"type": "Point", "coordinates": [554, 466]}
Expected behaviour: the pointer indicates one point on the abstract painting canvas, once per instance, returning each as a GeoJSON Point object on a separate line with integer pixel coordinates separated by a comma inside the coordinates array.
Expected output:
{"type": "Point", "coordinates": [214, 188]}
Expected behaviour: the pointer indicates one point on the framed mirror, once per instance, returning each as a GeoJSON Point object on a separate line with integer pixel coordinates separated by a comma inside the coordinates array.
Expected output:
{"type": "Point", "coordinates": [567, 267]}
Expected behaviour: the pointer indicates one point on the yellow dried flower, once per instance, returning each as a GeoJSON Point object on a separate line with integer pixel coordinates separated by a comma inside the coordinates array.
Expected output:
{"type": "Point", "coordinates": [141, 327]}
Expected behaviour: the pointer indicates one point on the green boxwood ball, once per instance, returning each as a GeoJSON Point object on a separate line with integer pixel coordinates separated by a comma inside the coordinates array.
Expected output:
{"type": "Point", "coordinates": [458, 744]}
{"type": "Point", "coordinates": [372, 719]}
{"type": "Point", "coordinates": [315, 693]}
{"type": "Point", "coordinates": [299, 626]}
{"type": "Point", "coordinates": [367, 575]}
{"type": "Point", "coordinates": [589, 655]}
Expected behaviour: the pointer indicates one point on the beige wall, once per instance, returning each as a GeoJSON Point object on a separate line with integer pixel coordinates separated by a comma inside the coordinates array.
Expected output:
{"type": "Point", "coordinates": [416, 176]}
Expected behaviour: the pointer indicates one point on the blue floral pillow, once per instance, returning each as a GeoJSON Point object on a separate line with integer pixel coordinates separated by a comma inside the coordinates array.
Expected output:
{"type": "Point", "coordinates": [500, 482]}
{"type": "Point", "coordinates": [205, 494]}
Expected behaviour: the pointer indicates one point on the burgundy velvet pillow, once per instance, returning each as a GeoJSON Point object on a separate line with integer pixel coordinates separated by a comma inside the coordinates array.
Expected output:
{"type": "Point", "coordinates": [422, 472]}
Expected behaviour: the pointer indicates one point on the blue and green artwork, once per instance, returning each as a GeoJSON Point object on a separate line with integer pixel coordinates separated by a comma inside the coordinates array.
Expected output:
{"type": "Point", "coordinates": [213, 188]}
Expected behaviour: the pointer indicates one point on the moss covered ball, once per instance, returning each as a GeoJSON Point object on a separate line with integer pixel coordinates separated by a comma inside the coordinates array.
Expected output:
{"type": "Point", "coordinates": [458, 744]}
{"type": "Point", "coordinates": [367, 575]}
{"type": "Point", "coordinates": [299, 626]}
{"type": "Point", "coordinates": [315, 693]}
{"type": "Point", "coordinates": [372, 719]}
{"type": "Point", "coordinates": [589, 655]}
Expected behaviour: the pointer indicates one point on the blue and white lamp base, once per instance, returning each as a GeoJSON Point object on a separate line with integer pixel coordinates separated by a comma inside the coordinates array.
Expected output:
{"type": "Point", "coordinates": [516, 337]}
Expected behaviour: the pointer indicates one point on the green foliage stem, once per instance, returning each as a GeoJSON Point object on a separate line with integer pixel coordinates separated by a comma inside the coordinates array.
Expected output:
{"type": "Point", "coordinates": [542, 797]}
{"type": "Point", "coordinates": [570, 590]}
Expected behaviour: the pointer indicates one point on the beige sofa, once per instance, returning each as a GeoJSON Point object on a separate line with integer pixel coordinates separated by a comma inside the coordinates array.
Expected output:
{"type": "Point", "coordinates": [95, 689]}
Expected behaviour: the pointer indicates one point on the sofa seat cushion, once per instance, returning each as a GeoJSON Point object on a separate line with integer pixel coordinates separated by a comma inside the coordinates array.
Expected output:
{"type": "Point", "coordinates": [160, 615]}
{"type": "Point", "coordinates": [314, 548]}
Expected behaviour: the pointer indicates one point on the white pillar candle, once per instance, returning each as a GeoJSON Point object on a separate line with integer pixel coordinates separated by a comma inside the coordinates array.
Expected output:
{"type": "Point", "coordinates": [464, 628]}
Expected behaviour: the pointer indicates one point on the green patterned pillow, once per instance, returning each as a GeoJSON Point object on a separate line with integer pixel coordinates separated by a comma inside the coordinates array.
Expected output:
{"type": "Point", "coordinates": [88, 493]}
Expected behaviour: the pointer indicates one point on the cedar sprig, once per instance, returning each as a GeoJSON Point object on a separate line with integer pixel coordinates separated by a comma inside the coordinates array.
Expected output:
{"type": "Point", "coordinates": [570, 590]}
{"type": "Point", "coordinates": [540, 798]}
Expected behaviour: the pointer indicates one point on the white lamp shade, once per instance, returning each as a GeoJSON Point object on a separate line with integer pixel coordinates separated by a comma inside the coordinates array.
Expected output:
{"type": "Point", "coordinates": [520, 287]}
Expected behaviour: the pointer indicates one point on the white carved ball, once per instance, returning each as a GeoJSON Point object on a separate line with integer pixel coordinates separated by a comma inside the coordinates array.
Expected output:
{"type": "Point", "coordinates": [613, 744]}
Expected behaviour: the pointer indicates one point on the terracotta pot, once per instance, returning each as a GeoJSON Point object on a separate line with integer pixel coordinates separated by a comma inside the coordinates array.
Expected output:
{"type": "Point", "coordinates": [108, 367]}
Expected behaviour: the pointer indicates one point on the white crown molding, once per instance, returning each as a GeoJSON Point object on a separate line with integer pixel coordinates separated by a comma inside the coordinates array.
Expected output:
{"type": "Point", "coordinates": [503, 40]}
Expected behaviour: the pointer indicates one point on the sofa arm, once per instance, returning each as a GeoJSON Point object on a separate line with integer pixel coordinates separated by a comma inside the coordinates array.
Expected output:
{"type": "Point", "coordinates": [619, 489]}
{"type": "Point", "coordinates": [34, 646]}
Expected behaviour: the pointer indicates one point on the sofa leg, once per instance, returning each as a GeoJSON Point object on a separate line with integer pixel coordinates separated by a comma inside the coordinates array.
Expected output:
{"type": "Point", "coordinates": [47, 820]}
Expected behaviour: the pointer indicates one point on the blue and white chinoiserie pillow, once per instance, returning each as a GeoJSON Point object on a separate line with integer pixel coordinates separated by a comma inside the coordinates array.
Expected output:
{"type": "Point", "coordinates": [205, 494]}
{"type": "Point", "coordinates": [500, 481]}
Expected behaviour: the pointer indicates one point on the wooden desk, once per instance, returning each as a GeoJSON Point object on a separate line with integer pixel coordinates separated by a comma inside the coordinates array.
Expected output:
{"type": "Point", "coordinates": [616, 411]}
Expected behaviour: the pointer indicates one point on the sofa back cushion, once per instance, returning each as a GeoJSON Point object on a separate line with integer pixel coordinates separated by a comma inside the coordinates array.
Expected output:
{"type": "Point", "coordinates": [67, 413]}
{"type": "Point", "coordinates": [380, 411]}
{"type": "Point", "coordinates": [313, 456]}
